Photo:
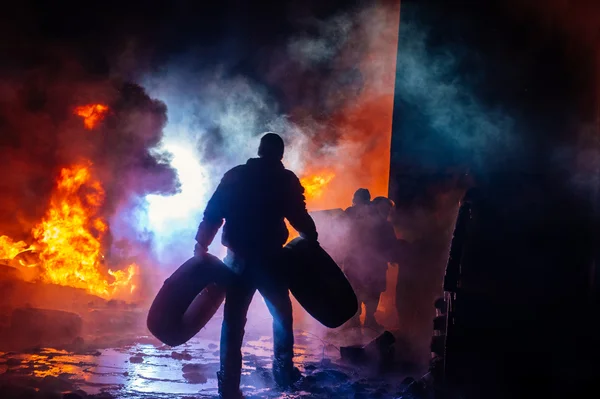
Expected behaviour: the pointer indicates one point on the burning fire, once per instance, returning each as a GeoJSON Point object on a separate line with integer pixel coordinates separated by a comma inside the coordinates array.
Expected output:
{"type": "Point", "coordinates": [315, 184]}
{"type": "Point", "coordinates": [92, 114]}
{"type": "Point", "coordinates": [70, 237]}
{"type": "Point", "coordinates": [9, 249]}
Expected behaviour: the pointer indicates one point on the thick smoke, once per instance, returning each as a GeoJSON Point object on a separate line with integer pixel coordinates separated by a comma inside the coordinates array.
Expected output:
{"type": "Point", "coordinates": [328, 90]}
{"type": "Point", "coordinates": [450, 115]}
{"type": "Point", "coordinates": [41, 135]}
{"type": "Point", "coordinates": [343, 96]}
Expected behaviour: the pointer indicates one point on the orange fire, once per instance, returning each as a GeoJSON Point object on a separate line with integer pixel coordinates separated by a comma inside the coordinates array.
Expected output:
{"type": "Point", "coordinates": [68, 241]}
{"type": "Point", "coordinates": [92, 114]}
{"type": "Point", "coordinates": [9, 249]}
{"type": "Point", "coordinates": [315, 184]}
{"type": "Point", "coordinates": [70, 237]}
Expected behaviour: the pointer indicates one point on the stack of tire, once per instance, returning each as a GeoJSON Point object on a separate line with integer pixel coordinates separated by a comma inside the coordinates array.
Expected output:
{"type": "Point", "coordinates": [438, 340]}
{"type": "Point", "coordinates": [444, 329]}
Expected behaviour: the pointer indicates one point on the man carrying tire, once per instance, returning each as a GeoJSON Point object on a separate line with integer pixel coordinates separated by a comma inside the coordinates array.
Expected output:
{"type": "Point", "coordinates": [253, 199]}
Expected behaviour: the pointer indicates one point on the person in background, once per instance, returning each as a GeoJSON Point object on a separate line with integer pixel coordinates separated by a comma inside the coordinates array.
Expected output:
{"type": "Point", "coordinates": [254, 199]}
{"type": "Point", "coordinates": [384, 229]}
{"type": "Point", "coordinates": [372, 242]}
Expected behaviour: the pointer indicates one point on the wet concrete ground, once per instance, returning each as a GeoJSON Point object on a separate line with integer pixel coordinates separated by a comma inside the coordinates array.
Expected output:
{"type": "Point", "coordinates": [145, 368]}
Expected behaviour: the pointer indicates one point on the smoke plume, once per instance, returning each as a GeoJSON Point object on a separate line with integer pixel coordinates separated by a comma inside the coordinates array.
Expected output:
{"type": "Point", "coordinates": [328, 90]}
{"type": "Point", "coordinates": [41, 134]}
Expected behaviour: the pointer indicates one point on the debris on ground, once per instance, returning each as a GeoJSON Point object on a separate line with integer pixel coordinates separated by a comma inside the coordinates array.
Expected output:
{"type": "Point", "coordinates": [133, 366]}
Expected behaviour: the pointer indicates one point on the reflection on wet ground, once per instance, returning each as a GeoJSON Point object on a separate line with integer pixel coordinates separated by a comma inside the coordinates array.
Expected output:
{"type": "Point", "coordinates": [148, 369]}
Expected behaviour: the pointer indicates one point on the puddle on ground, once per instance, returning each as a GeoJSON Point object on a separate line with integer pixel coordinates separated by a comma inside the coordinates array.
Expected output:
{"type": "Point", "coordinates": [149, 369]}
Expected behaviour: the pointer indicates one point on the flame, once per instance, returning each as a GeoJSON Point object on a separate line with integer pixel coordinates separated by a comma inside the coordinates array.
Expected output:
{"type": "Point", "coordinates": [70, 235]}
{"type": "Point", "coordinates": [69, 238]}
{"type": "Point", "coordinates": [92, 114]}
{"type": "Point", "coordinates": [360, 128]}
{"type": "Point", "coordinates": [315, 184]}
{"type": "Point", "coordinates": [9, 249]}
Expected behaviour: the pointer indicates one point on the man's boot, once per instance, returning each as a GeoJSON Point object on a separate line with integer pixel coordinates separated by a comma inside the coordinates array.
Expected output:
{"type": "Point", "coordinates": [285, 374]}
{"type": "Point", "coordinates": [228, 389]}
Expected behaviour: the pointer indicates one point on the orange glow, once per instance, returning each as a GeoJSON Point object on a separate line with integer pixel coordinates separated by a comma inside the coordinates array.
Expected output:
{"type": "Point", "coordinates": [315, 184]}
{"type": "Point", "coordinates": [70, 236]}
{"type": "Point", "coordinates": [92, 114]}
{"type": "Point", "coordinates": [9, 249]}
{"type": "Point", "coordinates": [362, 128]}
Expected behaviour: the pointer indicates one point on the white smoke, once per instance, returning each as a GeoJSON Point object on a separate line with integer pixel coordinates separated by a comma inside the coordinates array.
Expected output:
{"type": "Point", "coordinates": [215, 121]}
{"type": "Point", "coordinates": [213, 124]}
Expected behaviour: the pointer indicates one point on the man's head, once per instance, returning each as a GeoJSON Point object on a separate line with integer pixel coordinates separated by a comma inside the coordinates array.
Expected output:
{"type": "Point", "coordinates": [383, 205]}
{"type": "Point", "coordinates": [362, 196]}
{"type": "Point", "coordinates": [271, 147]}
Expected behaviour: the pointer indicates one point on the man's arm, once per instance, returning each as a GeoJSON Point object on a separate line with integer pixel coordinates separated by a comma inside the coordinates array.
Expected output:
{"type": "Point", "coordinates": [296, 212]}
{"type": "Point", "coordinates": [213, 218]}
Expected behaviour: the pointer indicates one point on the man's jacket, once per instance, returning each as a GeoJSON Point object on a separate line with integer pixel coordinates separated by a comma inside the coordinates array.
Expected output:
{"type": "Point", "coordinates": [254, 199]}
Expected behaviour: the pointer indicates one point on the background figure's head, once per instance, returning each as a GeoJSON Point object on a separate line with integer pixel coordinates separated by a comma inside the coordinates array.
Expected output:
{"type": "Point", "coordinates": [362, 196]}
{"type": "Point", "coordinates": [271, 147]}
{"type": "Point", "coordinates": [383, 206]}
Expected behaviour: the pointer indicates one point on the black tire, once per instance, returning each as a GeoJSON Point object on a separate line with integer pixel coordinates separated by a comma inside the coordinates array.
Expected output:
{"type": "Point", "coordinates": [318, 283]}
{"type": "Point", "coordinates": [166, 315]}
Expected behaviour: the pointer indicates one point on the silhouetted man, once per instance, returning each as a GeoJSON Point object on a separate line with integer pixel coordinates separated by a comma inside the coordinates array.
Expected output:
{"type": "Point", "coordinates": [356, 264]}
{"type": "Point", "coordinates": [372, 241]}
{"type": "Point", "coordinates": [254, 199]}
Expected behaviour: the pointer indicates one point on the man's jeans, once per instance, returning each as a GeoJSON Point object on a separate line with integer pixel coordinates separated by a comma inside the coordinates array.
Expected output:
{"type": "Point", "coordinates": [270, 280]}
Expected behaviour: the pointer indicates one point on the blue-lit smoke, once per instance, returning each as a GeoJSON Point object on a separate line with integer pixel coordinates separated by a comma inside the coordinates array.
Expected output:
{"type": "Point", "coordinates": [215, 120]}
{"type": "Point", "coordinates": [213, 125]}
{"type": "Point", "coordinates": [443, 121]}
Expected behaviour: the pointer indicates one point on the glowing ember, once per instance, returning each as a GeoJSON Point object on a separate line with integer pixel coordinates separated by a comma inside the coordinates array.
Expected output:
{"type": "Point", "coordinates": [9, 249]}
{"type": "Point", "coordinates": [92, 114]}
{"type": "Point", "coordinates": [70, 237]}
{"type": "Point", "coordinates": [315, 184]}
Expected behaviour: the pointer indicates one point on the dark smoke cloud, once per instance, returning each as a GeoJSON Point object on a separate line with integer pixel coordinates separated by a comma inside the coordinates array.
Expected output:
{"type": "Point", "coordinates": [41, 135]}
